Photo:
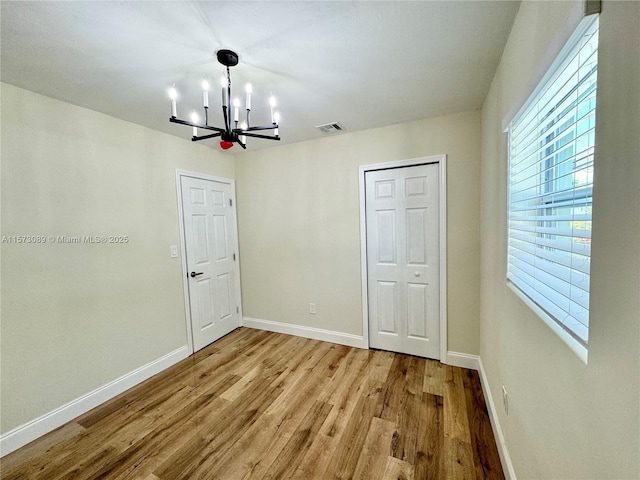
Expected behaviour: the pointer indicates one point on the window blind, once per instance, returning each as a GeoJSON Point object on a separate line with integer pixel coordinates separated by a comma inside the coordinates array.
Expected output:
{"type": "Point", "coordinates": [551, 150]}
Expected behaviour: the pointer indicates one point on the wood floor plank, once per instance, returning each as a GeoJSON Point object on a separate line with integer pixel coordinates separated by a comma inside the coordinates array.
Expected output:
{"type": "Point", "coordinates": [344, 391]}
{"type": "Point", "coordinates": [415, 375]}
{"type": "Point", "coordinates": [223, 442]}
{"type": "Point", "coordinates": [170, 435]}
{"type": "Point", "coordinates": [259, 405]}
{"type": "Point", "coordinates": [140, 430]}
{"type": "Point", "coordinates": [278, 425]}
{"type": "Point", "coordinates": [458, 463]}
{"type": "Point", "coordinates": [314, 463]}
{"type": "Point", "coordinates": [262, 446]}
{"type": "Point", "coordinates": [456, 423]}
{"type": "Point", "coordinates": [348, 374]}
{"type": "Point", "coordinates": [285, 428]}
{"type": "Point", "coordinates": [235, 421]}
{"type": "Point", "coordinates": [404, 441]}
{"type": "Point", "coordinates": [380, 365]}
{"type": "Point", "coordinates": [177, 374]}
{"type": "Point", "coordinates": [429, 463]}
{"type": "Point", "coordinates": [433, 377]}
{"type": "Point", "coordinates": [485, 452]}
{"type": "Point", "coordinates": [234, 359]}
{"type": "Point", "coordinates": [296, 376]}
{"type": "Point", "coordinates": [241, 385]}
{"type": "Point", "coordinates": [41, 446]}
{"type": "Point", "coordinates": [236, 418]}
{"type": "Point", "coordinates": [289, 457]}
{"type": "Point", "coordinates": [126, 444]}
{"type": "Point", "coordinates": [377, 445]}
{"type": "Point", "coordinates": [345, 459]}
{"type": "Point", "coordinates": [394, 392]}
{"type": "Point", "coordinates": [397, 470]}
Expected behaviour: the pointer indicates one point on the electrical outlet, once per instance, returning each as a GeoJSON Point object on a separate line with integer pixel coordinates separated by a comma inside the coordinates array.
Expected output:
{"type": "Point", "coordinates": [312, 308]}
{"type": "Point", "coordinates": [505, 400]}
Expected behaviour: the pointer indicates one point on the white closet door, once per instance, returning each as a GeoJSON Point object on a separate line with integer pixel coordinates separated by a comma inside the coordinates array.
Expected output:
{"type": "Point", "coordinates": [403, 259]}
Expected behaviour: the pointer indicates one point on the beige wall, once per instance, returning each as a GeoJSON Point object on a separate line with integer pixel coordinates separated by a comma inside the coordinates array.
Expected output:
{"type": "Point", "coordinates": [568, 420]}
{"type": "Point", "coordinates": [75, 317]}
{"type": "Point", "coordinates": [298, 214]}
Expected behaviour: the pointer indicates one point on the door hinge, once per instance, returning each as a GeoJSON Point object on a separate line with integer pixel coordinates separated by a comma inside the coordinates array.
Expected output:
{"type": "Point", "coordinates": [230, 203]}
{"type": "Point", "coordinates": [237, 309]}
{"type": "Point", "coordinates": [234, 257]}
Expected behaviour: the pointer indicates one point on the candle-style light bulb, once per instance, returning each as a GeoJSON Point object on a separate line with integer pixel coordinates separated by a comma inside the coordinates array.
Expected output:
{"type": "Point", "coordinates": [194, 119]}
{"type": "Point", "coordinates": [272, 104]}
{"type": "Point", "coordinates": [223, 85]}
{"type": "Point", "coordinates": [205, 92]}
{"type": "Point", "coordinates": [249, 90]}
{"type": "Point", "coordinates": [276, 120]}
{"type": "Point", "coordinates": [236, 110]}
{"type": "Point", "coordinates": [243, 138]}
{"type": "Point", "coordinates": [173, 94]}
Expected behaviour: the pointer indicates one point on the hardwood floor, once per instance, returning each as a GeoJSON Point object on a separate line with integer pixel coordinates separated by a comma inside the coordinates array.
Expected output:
{"type": "Point", "coordinates": [263, 405]}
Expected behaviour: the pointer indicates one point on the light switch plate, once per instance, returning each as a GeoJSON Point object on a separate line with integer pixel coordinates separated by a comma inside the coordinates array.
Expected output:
{"type": "Point", "coordinates": [174, 251]}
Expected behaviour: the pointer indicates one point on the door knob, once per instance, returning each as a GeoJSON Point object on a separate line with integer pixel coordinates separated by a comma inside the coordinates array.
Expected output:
{"type": "Point", "coordinates": [417, 274]}
{"type": "Point", "coordinates": [194, 274]}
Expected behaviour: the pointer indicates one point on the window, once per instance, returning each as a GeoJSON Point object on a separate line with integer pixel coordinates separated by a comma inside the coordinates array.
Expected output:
{"type": "Point", "coordinates": [551, 149]}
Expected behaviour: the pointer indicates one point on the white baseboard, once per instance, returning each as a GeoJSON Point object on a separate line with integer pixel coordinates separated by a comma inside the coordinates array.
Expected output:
{"type": "Point", "coordinates": [507, 466]}
{"type": "Point", "coordinates": [307, 332]}
{"type": "Point", "coordinates": [463, 360]}
{"type": "Point", "coordinates": [29, 431]}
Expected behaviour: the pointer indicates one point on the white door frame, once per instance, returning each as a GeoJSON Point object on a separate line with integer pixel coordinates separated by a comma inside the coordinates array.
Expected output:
{"type": "Point", "coordinates": [183, 251]}
{"type": "Point", "coordinates": [441, 160]}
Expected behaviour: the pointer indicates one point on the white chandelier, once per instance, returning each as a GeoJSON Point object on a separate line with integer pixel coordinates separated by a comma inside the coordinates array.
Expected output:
{"type": "Point", "coordinates": [231, 133]}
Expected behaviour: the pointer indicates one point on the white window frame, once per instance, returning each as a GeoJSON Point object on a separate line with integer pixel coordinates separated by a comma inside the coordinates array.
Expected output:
{"type": "Point", "coordinates": [534, 300]}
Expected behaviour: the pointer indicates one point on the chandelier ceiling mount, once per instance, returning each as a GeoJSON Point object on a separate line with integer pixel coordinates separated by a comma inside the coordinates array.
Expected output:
{"type": "Point", "coordinates": [228, 58]}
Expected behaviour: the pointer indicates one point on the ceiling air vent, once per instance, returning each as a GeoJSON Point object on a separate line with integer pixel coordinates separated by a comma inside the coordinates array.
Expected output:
{"type": "Point", "coordinates": [333, 127]}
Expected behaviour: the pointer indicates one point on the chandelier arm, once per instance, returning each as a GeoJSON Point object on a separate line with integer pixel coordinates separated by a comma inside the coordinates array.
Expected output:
{"type": "Point", "coordinates": [204, 137]}
{"type": "Point", "coordinates": [255, 135]}
{"type": "Point", "coordinates": [204, 127]}
{"type": "Point", "coordinates": [242, 144]}
{"type": "Point", "coordinates": [269, 127]}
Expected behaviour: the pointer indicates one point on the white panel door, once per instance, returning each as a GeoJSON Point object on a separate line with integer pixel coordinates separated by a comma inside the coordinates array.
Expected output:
{"type": "Point", "coordinates": [211, 260]}
{"type": "Point", "coordinates": [402, 215]}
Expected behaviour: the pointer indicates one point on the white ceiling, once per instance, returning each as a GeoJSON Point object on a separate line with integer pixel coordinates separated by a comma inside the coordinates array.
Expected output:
{"type": "Point", "coordinates": [364, 64]}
